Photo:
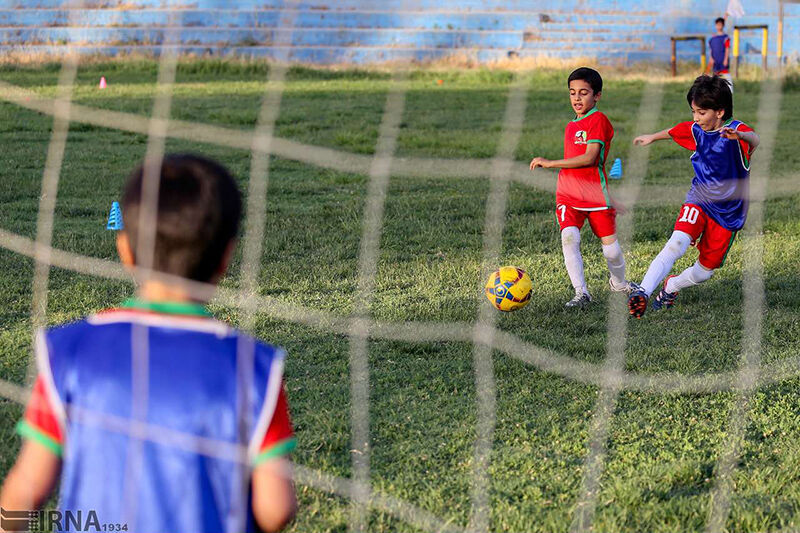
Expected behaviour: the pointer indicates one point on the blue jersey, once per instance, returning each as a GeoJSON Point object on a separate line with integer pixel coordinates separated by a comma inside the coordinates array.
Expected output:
{"type": "Point", "coordinates": [718, 44]}
{"type": "Point", "coordinates": [722, 171]}
{"type": "Point", "coordinates": [161, 418]}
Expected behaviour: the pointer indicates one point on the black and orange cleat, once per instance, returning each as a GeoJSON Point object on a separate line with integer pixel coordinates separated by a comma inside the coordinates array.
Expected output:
{"type": "Point", "coordinates": [637, 303]}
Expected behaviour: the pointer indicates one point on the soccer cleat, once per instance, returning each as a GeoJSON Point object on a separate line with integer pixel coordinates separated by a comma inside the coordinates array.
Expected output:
{"type": "Point", "coordinates": [637, 302]}
{"type": "Point", "coordinates": [627, 287]}
{"type": "Point", "coordinates": [579, 301]}
{"type": "Point", "coordinates": [664, 299]}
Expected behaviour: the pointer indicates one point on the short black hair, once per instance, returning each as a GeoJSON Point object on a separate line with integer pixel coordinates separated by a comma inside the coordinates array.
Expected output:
{"type": "Point", "coordinates": [199, 206]}
{"type": "Point", "coordinates": [720, 19]}
{"type": "Point", "coordinates": [589, 75]}
{"type": "Point", "coordinates": [711, 92]}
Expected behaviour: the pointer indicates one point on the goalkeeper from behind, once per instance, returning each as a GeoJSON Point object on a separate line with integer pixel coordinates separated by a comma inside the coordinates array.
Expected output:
{"type": "Point", "coordinates": [156, 416]}
{"type": "Point", "coordinates": [716, 205]}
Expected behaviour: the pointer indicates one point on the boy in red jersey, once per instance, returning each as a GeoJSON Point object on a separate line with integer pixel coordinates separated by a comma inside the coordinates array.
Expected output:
{"type": "Point", "coordinates": [582, 191]}
{"type": "Point", "coordinates": [155, 416]}
{"type": "Point", "coordinates": [716, 204]}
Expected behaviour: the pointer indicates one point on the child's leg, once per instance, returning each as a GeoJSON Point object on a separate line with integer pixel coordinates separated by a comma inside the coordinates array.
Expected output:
{"type": "Point", "coordinates": [604, 225]}
{"type": "Point", "coordinates": [615, 260]}
{"type": "Point", "coordinates": [694, 275]}
{"type": "Point", "coordinates": [713, 247]}
{"type": "Point", "coordinates": [571, 246]}
{"type": "Point", "coordinates": [676, 246]}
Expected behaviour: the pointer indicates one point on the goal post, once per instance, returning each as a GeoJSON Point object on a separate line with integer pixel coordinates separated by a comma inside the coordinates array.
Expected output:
{"type": "Point", "coordinates": [694, 37]}
{"type": "Point", "coordinates": [764, 44]}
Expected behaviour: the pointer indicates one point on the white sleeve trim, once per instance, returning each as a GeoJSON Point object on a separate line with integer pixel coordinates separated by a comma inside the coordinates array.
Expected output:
{"type": "Point", "coordinates": [270, 401]}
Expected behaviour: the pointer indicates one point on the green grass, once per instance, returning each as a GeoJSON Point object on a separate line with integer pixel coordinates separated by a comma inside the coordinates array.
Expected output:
{"type": "Point", "coordinates": [662, 447]}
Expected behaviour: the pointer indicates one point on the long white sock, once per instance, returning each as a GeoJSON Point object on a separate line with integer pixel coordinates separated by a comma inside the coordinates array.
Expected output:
{"type": "Point", "coordinates": [571, 246]}
{"type": "Point", "coordinates": [676, 246]}
{"type": "Point", "coordinates": [694, 275]}
{"type": "Point", "coordinates": [616, 262]}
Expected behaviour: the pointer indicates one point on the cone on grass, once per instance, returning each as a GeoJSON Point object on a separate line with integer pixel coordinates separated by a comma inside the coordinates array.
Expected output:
{"type": "Point", "coordinates": [102, 82]}
{"type": "Point", "coordinates": [115, 218]}
{"type": "Point", "coordinates": [616, 169]}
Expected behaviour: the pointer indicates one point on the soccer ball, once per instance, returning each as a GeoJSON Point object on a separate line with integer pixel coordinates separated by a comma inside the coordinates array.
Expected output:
{"type": "Point", "coordinates": [509, 288]}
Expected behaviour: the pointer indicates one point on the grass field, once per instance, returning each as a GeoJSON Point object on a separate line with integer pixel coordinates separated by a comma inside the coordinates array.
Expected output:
{"type": "Point", "coordinates": [662, 448]}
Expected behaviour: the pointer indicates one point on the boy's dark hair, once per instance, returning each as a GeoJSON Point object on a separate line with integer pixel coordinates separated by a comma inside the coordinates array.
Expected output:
{"type": "Point", "coordinates": [589, 75]}
{"type": "Point", "coordinates": [711, 92]}
{"type": "Point", "coordinates": [720, 19]}
{"type": "Point", "coordinates": [199, 206]}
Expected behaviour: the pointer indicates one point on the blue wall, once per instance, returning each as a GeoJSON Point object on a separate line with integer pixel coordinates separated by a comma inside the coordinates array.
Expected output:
{"type": "Point", "coordinates": [362, 31]}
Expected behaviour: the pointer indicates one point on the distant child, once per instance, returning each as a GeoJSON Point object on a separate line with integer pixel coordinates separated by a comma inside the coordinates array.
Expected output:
{"type": "Point", "coordinates": [716, 205]}
{"type": "Point", "coordinates": [582, 190]}
{"type": "Point", "coordinates": [156, 416]}
{"type": "Point", "coordinates": [720, 47]}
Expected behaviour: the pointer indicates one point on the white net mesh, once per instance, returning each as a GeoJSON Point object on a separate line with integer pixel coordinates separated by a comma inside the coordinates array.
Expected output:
{"type": "Point", "coordinates": [609, 376]}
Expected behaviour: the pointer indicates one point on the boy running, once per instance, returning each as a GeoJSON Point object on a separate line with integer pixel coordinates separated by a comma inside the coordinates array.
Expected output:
{"type": "Point", "coordinates": [156, 416]}
{"type": "Point", "coordinates": [582, 192]}
{"type": "Point", "coordinates": [716, 204]}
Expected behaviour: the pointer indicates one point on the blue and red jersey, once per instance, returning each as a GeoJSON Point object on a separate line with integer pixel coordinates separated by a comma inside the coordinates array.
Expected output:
{"type": "Point", "coordinates": [722, 171]}
{"type": "Point", "coordinates": [159, 414]}
{"type": "Point", "coordinates": [718, 44]}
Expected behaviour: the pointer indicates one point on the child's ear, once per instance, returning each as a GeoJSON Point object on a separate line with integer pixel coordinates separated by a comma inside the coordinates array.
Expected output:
{"type": "Point", "coordinates": [720, 113]}
{"type": "Point", "coordinates": [227, 255]}
{"type": "Point", "coordinates": [124, 249]}
{"type": "Point", "coordinates": [597, 95]}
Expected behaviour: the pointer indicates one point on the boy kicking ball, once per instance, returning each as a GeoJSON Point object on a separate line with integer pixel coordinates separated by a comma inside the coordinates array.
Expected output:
{"type": "Point", "coordinates": [582, 191]}
{"type": "Point", "coordinates": [716, 205]}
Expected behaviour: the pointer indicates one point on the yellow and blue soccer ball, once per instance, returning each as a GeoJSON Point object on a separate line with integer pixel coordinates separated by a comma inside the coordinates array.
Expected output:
{"type": "Point", "coordinates": [509, 288]}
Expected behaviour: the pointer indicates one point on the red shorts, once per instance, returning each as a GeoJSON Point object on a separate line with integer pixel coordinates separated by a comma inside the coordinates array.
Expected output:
{"type": "Point", "coordinates": [603, 222]}
{"type": "Point", "coordinates": [715, 241]}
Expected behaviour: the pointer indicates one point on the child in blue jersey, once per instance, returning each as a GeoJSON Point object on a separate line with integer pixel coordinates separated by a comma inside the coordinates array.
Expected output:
{"type": "Point", "coordinates": [719, 45]}
{"type": "Point", "coordinates": [155, 416]}
{"type": "Point", "coordinates": [716, 204]}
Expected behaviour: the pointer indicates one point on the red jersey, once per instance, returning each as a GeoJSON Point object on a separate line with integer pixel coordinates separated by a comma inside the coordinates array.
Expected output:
{"type": "Point", "coordinates": [586, 187]}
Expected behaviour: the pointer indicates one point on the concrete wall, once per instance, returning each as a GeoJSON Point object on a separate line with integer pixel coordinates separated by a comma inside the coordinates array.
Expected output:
{"type": "Point", "coordinates": [363, 31]}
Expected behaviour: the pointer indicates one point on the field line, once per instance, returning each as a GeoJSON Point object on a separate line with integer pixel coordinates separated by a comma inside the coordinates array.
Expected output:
{"type": "Point", "coordinates": [754, 306]}
{"type": "Point", "coordinates": [617, 323]}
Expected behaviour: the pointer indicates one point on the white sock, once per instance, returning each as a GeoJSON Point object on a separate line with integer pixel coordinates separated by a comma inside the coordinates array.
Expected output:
{"type": "Point", "coordinates": [694, 275]}
{"type": "Point", "coordinates": [676, 246]}
{"type": "Point", "coordinates": [571, 246]}
{"type": "Point", "coordinates": [616, 262]}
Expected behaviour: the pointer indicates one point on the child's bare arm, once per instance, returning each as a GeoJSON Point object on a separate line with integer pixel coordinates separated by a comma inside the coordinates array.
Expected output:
{"type": "Point", "coordinates": [31, 479]}
{"type": "Point", "coordinates": [274, 500]}
{"type": "Point", "coordinates": [588, 159]}
{"type": "Point", "coordinates": [644, 140]}
{"type": "Point", "coordinates": [750, 137]}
